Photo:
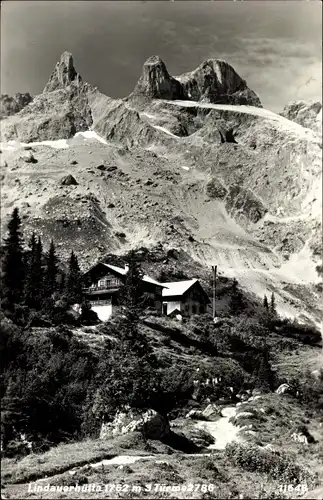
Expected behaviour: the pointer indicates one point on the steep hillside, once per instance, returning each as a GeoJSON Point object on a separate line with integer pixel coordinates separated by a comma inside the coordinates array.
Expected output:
{"type": "Point", "coordinates": [193, 162]}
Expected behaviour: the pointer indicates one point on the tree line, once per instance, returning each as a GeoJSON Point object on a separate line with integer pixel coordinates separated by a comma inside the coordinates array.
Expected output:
{"type": "Point", "coordinates": [270, 307]}
{"type": "Point", "coordinates": [34, 278]}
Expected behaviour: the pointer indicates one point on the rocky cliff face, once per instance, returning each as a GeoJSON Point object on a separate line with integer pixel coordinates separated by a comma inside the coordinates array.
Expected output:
{"type": "Point", "coordinates": [217, 82]}
{"type": "Point", "coordinates": [307, 114]}
{"type": "Point", "coordinates": [213, 81]}
{"type": "Point", "coordinates": [12, 105]}
{"type": "Point", "coordinates": [156, 83]}
{"type": "Point", "coordinates": [64, 74]}
{"type": "Point", "coordinates": [59, 112]}
{"type": "Point", "coordinates": [68, 105]}
{"type": "Point", "coordinates": [235, 185]}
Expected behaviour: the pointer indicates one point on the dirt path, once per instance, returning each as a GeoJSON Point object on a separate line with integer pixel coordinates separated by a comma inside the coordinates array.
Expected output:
{"type": "Point", "coordinates": [223, 431]}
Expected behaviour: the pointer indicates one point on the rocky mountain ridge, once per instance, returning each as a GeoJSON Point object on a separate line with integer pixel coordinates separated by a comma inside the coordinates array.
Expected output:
{"type": "Point", "coordinates": [12, 105]}
{"type": "Point", "coordinates": [228, 182]}
{"type": "Point", "coordinates": [307, 114]}
{"type": "Point", "coordinates": [77, 104]}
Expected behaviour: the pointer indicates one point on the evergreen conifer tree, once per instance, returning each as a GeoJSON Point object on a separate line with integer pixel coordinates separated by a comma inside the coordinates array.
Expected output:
{"type": "Point", "coordinates": [236, 300]}
{"type": "Point", "coordinates": [13, 262]}
{"type": "Point", "coordinates": [30, 289]}
{"type": "Point", "coordinates": [74, 281]}
{"type": "Point", "coordinates": [34, 276]}
{"type": "Point", "coordinates": [265, 303]}
{"type": "Point", "coordinates": [39, 279]}
{"type": "Point", "coordinates": [131, 294]}
{"type": "Point", "coordinates": [62, 284]}
{"type": "Point", "coordinates": [273, 304]}
{"type": "Point", "coordinates": [51, 271]}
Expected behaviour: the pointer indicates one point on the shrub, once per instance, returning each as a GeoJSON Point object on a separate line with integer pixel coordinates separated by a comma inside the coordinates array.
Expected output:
{"type": "Point", "coordinates": [275, 464]}
{"type": "Point", "coordinates": [44, 381]}
{"type": "Point", "coordinates": [306, 334]}
{"type": "Point", "coordinates": [309, 390]}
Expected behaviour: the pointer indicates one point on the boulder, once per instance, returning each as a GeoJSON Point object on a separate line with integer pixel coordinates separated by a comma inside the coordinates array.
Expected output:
{"type": "Point", "coordinates": [199, 437]}
{"type": "Point", "coordinates": [283, 388]}
{"type": "Point", "coordinates": [211, 411]}
{"type": "Point", "coordinates": [68, 180]}
{"type": "Point", "coordinates": [29, 158]}
{"type": "Point", "coordinates": [150, 423]}
{"type": "Point", "coordinates": [245, 414]}
{"type": "Point", "coordinates": [195, 415]}
{"type": "Point", "coordinates": [155, 425]}
{"type": "Point", "coordinates": [303, 435]}
{"type": "Point", "coordinates": [300, 438]}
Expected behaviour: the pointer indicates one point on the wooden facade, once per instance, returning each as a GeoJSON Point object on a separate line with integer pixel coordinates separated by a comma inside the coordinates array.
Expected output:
{"type": "Point", "coordinates": [103, 284]}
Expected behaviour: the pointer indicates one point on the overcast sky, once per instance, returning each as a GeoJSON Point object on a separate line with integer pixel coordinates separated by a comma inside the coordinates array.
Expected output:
{"type": "Point", "coordinates": [275, 46]}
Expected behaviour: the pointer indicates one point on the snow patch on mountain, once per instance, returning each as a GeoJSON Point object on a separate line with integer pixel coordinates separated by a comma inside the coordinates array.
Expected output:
{"type": "Point", "coordinates": [57, 144]}
{"type": "Point", "coordinates": [301, 131]}
{"type": "Point", "coordinates": [90, 134]}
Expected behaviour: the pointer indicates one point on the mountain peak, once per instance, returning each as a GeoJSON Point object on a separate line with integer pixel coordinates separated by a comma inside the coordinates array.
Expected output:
{"type": "Point", "coordinates": [64, 73]}
{"type": "Point", "coordinates": [156, 83]}
{"type": "Point", "coordinates": [214, 80]}
{"type": "Point", "coordinates": [154, 60]}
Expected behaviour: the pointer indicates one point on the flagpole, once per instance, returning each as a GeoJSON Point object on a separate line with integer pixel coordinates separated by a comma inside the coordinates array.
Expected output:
{"type": "Point", "coordinates": [214, 270]}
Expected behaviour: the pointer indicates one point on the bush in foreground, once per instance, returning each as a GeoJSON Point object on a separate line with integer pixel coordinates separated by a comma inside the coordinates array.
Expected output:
{"type": "Point", "coordinates": [275, 464]}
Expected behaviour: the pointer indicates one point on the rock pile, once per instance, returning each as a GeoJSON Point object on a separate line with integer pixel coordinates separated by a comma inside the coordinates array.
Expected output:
{"type": "Point", "coordinates": [150, 423]}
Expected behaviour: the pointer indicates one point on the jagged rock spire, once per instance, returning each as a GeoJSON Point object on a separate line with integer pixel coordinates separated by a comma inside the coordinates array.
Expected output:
{"type": "Point", "coordinates": [213, 81]}
{"type": "Point", "coordinates": [216, 81]}
{"type": "Point", "coordinates": [64, 74]}
{"type": "Point", "coordinates": [155, 81]}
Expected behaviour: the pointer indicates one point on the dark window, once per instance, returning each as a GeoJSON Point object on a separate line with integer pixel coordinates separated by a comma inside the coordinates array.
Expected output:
{"type": "Point", "coordinates": [165, 309]}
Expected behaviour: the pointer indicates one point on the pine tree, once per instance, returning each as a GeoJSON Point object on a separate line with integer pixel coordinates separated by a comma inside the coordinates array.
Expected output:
{"type": "Point", "coordinates": [13, 262]}
{"type": "Point", "coordinates": [265, 303]}
{"type": "Point", "coordinates": [74, 281]}
{"type": "Point", "coordinates": [34, 276]}
{"type": "Point", "coordinates": [236, 300]}
{"type": "Point", "coordinates": [273, 304]}
{"type": "Point", "coordinates": [131, 294]}
{"type": "Point", "coordinates": [62, 284]}
{"type": "Point", "coordinates": [51, 271]}
{"type": "Point", "coordinates": [30, 273]}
